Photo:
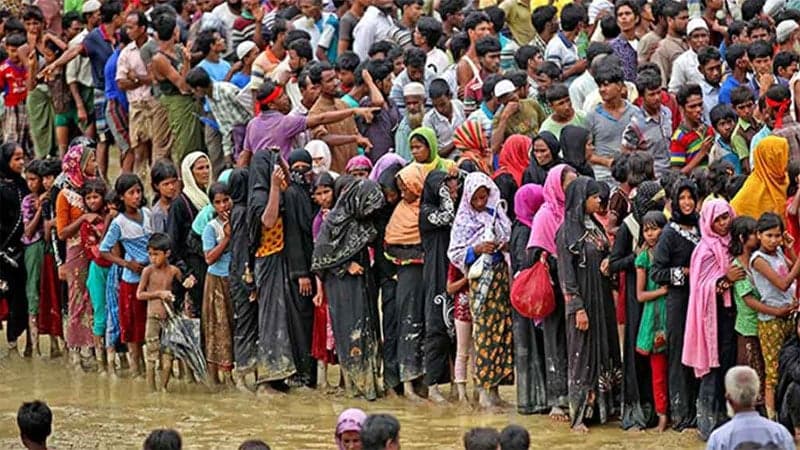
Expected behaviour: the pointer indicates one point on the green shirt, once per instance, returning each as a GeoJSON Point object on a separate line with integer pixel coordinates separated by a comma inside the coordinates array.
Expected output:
{"type": "Point", "coordinates": [746, 318]}
{"type": "Point", "coordinates": [579, 120]}
{"type": "Point", "coordinates": [653, 322]}
{"type": "Point", "coordinates": [739, 141]}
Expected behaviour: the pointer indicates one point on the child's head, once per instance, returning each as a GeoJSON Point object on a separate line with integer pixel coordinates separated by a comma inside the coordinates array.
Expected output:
{"type": "Point", "coordinates": [480, 198]}
{"type": "Point", "coordinates": [794, 172]}
{"type": "Point", "coordinates": [161, 439]}
{"type": "Point", "coordinates": [546, 74]}
{"type": "Point", "coordinates": [323, 190]}
{"type": "Point", "coordinates": [652, 224]}
{"type": "Point", "coordinates": [35, 422]}
{"type": "Point", "coordinates": [130, 192]}
{"type": "Point", "coordinates": [220, 198]}
{"type": "Point", "coordinates": [158, 249]}
{"type": "Point", "coordinates": [760, 53]}
{"type": "Point", "coordinates": [723, 119]}
{"type": "Point", "coordinates": [770, 231]}
{"type": "Point", "coordinates": [619, 168]}
{"type": "Point", "coordinates": [33, 176]}
{"type": "Point", "coordinates": [743, 235]}
{"type": "Point", "coordinates": [640, 168]}
{"type": "Point", "coordinates": [13, 43]}
{"type": "Point", "coordinates": [164, 178]}
{"type": "Point", "coordinates": [346, 65]}
{"type": "Point", "coordinates": [784, 64]}
{"type": "Point", "coordinates": [52, 168]}
{"type": "Point", "coordinates": [558, 98]}
{"type": "Point", "coordinates": [743, 102]}
{"type": "Point", "coordinates": [719, 172]}
{"type": "Point", "coordinates": [94, 192]}
{"type": "Point", "coordinates": [605, 196]}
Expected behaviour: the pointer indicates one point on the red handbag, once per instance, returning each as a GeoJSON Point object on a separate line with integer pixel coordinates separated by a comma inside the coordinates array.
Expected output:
{"type": "Point", "coordinates": [532, 291]}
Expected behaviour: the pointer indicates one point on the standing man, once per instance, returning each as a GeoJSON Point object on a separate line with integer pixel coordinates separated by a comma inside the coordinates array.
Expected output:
{"type": "Point", "coordinates": [446, 115]}
{"type": "Point", "coordinates": [312, 20]}
{"type": "Point", "coordinates": [685, 69]}
{"type": "Point", "coordinates": [478, 25]}
{"type": "Point", "coordinates": [379, 130]}
{"type": "Point", "coordinates": [228, 12]}
{"type": "Point", "coordinates": [693, 139]}
{"type": "Point", "coordinates": [415, 71]}
{"type": "Point", "coordinates": [710, 65]}
{"type": "Point", "coordinates": [673, 45]}
{"type": "Point", "coordinates": [562, 48]}
{"type": "Point", "coordinates": [626, 44]}
{"type": "Point", "coordinates": [375, 25]}
{"type": "Point", "coordinates": [651, 126]}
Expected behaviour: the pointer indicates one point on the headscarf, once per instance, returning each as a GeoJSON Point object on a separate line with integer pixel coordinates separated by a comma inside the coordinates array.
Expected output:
{"type": "Point", "coordinates": [710, 261]}
{"type": "Point", "coordinates": [74, 163]}
{"type": "Point", "coordinates": [324, 179]}
{"type": "Point", "coordinates": [514, 157]}
{"type": "Point", "coordinates": [527, 201]}
{"type": "Point", "coordinates": [349, 420]}
{"type": "Point", "coordinates": [258, 187]}
{"type": "Point", "coordinates": [574, 228]}
{"type": "Point", "coordinates": [573, 147]}
{"type": "Point", "coordinates": [471, 140]}
{"type": "Point", "coordinates": [469, 224]}
{"type": "Point", "coordinates": [678, 217]}
{"type": "Point", "coordinates": [538, 173]}
{"type": "Point", "coordinates": [300, 155]}
{"type": "Point", "coordinates": [649, 197]}
{"type": "Point", "coordinates": [237, 186]}
{"type": "Point", "coordinates": [385, 162]}
{"type": "Point", "coordinates": [348, 228]}
{"type": "Point", "coordinates": [358, 162]}
{"type": "Point", "coordinates": [319, 149]}
{"type": "Point", "coordinates": [550, 216]}
{"type": "Point", "coordinates": [432, 203]}
{"type": "Point", "coordinates": [6, 174]}
{"type": "Point", "coordinates": [205, 215]}
{"type": "Point", "coordinates": [403, 227]}
{"type": "Point", "coordinates": [197, 196]}
{"type": "Point", "coordinates": [765, 188]}
{"type": "Point", "coordinates": [434, 162]}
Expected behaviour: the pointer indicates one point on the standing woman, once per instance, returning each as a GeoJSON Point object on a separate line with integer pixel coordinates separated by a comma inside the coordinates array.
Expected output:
{"type": "Point", "coordinates": [637, 397]}
{"type": "Point", "coordinates": [544, 156]}
{"type": "Point", "coordinates": [404, 248]}
{"type": "Point", "coordinates": [709, 345]}
{"type": "Point", "coordinates": [78, 165]}
{"type": "Point", "coordinates": [766, 186]}
{"type": "Point", "coordinates": [480, 235]}
{"type": "Point", "coordinates": [12, 190]}
{"type": "Point", "coordinates": [512, 164]}
{"type": "Point", "coordinates": [341, 257]}
{"type": "Point", "coordinates": [187, 248]}
{"type": "Point", "coordinates": [472, 146]}
{"type": "Point", "coordinates": [671, 260]}
{"type": "Point", "coordinates": [595, 367]}
{"type": "Point", "coordinates": [528, 349]}
{"type": "Point", "coordinates": [437, 212]}
{"type": "Point", "coordinates": [576, 148]}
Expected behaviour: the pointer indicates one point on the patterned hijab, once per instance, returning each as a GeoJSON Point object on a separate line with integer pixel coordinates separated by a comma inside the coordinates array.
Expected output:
{"type": "Point", "coordinates": [471, 140]}
{"type": "Point", "coordinates": [74, 163]}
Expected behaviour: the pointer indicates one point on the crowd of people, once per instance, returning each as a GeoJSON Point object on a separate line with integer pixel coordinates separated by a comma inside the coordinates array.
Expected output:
{"type": "Point", "coordinates": [595, 202]}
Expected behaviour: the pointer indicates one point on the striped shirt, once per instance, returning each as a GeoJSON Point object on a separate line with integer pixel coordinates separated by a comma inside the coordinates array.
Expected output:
{"type": "Point", "coordinates": [686, 145]}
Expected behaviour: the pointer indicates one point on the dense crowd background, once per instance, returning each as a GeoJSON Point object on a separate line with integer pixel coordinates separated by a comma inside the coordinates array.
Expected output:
{"type": "Point", "coordinates": [596, 202]}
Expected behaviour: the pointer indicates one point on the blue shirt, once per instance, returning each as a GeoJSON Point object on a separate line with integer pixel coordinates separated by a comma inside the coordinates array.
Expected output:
{"type": "Point", "coordinates": [112, 90]}
{"type": "Point", "coordinates": [221, 267]}
{"type": "Point", "coordinates": [216, 70]}
{"type": "Point", "coordinates": [240, 79]}
{"type": "Point", "coordinates": [728, 85]}
{"type": "Point", "coordinates": [133, 236]}
{"type": "Point", "coordinates": [749, 427]}
{"type": "Point", "coordinates": [762, 133]}
{"type": "Point", "coordinates": [97, 47]}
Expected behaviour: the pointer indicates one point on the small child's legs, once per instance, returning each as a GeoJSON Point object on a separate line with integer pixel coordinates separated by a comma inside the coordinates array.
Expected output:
{"type": "Point", "coordinates": [153, 354]}
{"type": "Point", "coordinates": [96, 285]}
{"type": "Point", "coordinates": [772, 334]}
{"type": "Point", "coordinates": [465, 351]}
{"type": "Point", "coordinates": [659, 370]}
{"type": "Point", "coordinates": [34, 256]}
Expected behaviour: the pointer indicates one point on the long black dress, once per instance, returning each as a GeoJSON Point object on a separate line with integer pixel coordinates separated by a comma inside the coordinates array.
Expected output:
{"type": "Point", "coordinates": [245, 312]}
{"type": "Point", "coordinates": [673, 253]}
{"type": "Point", "coordinates": [787, 393]}
{"type": "Point", "coordinates": [595, 367]}
{"type": "Point", "coordinates": [437, 211]}
{"type": "Point", "coordinates": [187, 249]}
{"type": "Point", "coordinates": [12, 190]}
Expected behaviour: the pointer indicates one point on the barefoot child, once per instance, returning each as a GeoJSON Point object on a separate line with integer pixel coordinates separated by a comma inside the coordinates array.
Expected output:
{"type": "Point", "coordinates": [322, 343]}
{"type": "Point", "coordinates": [217, 311]}
{"type": "Point", "coordinates": [651, 339]}
{"type": "Point", "coordinates": [458, 288]}
{"type": "Point", "coordinates": [33, 240]}
{"type": "Point", "coordinates": [155, 287]}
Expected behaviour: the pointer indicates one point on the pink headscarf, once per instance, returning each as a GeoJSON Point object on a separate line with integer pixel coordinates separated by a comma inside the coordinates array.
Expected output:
{"type": "Point", "coordinates": [550, 216]}
{"type": "Point", "coordinates": [527, 201]}
{"type": "Point", "coordinates": [710, 261]}
{"type": "Point", "coordinates": [349, 420]}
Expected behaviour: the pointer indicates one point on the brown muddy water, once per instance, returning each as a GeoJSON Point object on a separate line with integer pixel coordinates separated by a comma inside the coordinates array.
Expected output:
{"type": "Point", "coordinates": [90, 411]}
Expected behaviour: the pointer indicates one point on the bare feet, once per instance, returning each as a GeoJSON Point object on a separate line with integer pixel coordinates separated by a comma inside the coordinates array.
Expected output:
{"type": "Point", "coordinates": [558, 415]}
{"type": "Point", "coordinates": [265, 390]}
{"type": "Point", "coordinates": [435, 395]}
{"type": "Point", "coordinates": [663, 422]}
{"type": "Point", "coordinates": [461, 389]}
{"type": "Point", "coordinates": [580, 428]}
{"type": "Point", "coordinates": [484, 401]}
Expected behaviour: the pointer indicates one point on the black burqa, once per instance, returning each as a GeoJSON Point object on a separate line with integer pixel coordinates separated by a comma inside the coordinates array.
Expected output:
{"type": "Point", "coordinates": [672, 254]}
{"type": "Point", "coordinates": [573, 148]}
{"type": "Point", "coordinates": [536, 173]}
{"type": "Point", "coordinates": [437, 211]}
{"type": "Point", "coordinates": [12, 190]}
{"type": "Point", "coordinates": [787, 393]}
{"type": "Point", "coordinates": [343, 239]}
{"type": "Point", "coordinates": [637, 391]}
{"type": "Point", "coordinates": [595, 367]}
{"type": "Point", "coordinates": [275, 351]}
{"type": "Point", "coordinates": [245, 312]}
{"type": "Point", "coordinates": [187, 250]}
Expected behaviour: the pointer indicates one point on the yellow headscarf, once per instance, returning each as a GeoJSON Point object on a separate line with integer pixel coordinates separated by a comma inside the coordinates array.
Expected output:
{"type": "Point", "coordinates": [765, 188]}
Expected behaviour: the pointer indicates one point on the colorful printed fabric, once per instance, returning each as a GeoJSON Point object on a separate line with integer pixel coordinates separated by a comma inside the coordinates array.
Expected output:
{"type": "Point", "coordinates": [686, 145]}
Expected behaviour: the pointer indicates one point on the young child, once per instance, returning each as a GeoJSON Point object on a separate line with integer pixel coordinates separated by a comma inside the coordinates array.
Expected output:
{"type": "Point", "coordinates": [132, 228]}
{"type": "Point", "coordinates": [92, 232]}
{"type": "Point", "coordinates": [33, 240]}
{"type": "Point", "coordinates": [723, 119]}
{"type": "Point", "coordinates": [155, 287]}
{"type": "Point", "coordinates": [747, 126]}
{"type": "Point", "coordinates": [164, 178]}
{"type": "Point", "coordinates": [13, 83]}
{"type": "Point", "coordinates": [651, 338]}
{"type": "Point", "coordinates": [776, 284]}
{"type": "Point", "coordinates": [322, 342]}
{"type": "Point", "coordinates": [49, 320]}
{"type": "Point", "coordinates": [458, 288]}
{"type": "Point", "coordinates": [217, 312]}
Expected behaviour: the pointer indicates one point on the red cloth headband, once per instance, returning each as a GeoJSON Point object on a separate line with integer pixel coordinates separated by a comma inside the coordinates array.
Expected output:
{"type": "Point", "coordinates": [782, 108]}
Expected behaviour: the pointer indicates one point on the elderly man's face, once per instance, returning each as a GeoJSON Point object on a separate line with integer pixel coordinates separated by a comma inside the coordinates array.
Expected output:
{"type": "Point", "coordinates": [414, 103]}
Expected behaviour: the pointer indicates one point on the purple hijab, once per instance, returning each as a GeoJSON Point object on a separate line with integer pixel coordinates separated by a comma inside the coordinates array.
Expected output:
{"type": "Point", "coordinates": [349, 420]}
{"type": "Point", "coordinates": [548, 219]}
{"type": "Point", "coordinates": [527, 201]}
{"type": "Point", "coordinates": [385, 162]}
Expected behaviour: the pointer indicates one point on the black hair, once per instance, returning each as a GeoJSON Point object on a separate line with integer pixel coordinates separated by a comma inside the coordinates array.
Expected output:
{"type": "Point", "coordinates": [648, 80]}
{"type": "Point", "coordinates": [634, 6]}
{"type": "Point", "coordinates": [164, 25]}
{"type": "Point", "coordinates": [449, 8]}
{"type": "Point", "coordinates": [550, 69]}
{"type": "Point", "coordinates": [198, 78]}
{"type": "Point", "coordinates": [16, 40]}
{"type": "Point", "coordinates": [296, 35]}
{"type": "Point", "coordinates": [415, 57]}
{"type": "Point", "coordinates": [303, 79]}
{"type": "Point", "coordinates": [254, 444]}
{"type": "Point", "coordinates": [14, 25]}
{"type": "Point", "coordinates": [751, 9]}
{"type": "Point", "coordinates": [778, 93]}
{"type": "Point", "coordinates": [486, 45]}
{"type": "Point", "coordinates": [572, 15]}
{"type": "Point", "coordinates": [125, 182]}
{"type": "Point", "coordinates": [708, 54]}
{"type": "Point", "coordinates": [525, 54]}
{"type": "Point", "coordinates": [717, 177]}
{"type": "Point", "coordinates": [379, 70]}
{"type": "Point", "coordinates": [278, 26]}
{"type": "Point", "coordinates": [543, 15]}
{"type": "Point", "coordinates": [124, 39]}
{"type": "Point", "coordinates": [488, 86]}
{"type": "Point", "coordinates": [517, 77]}
{"type": "Point", "coordinates": [33, 13]}
{"type": "Point", "coordinates": [768, 221]}
{"type": "Point", "coordinates": [759, 49]}
{"type": "Point", "coordinates": [35, 421]}
{"type": "Point", "coordinates": [741, 229]}
{"type": "Point", "coordinates": [736, 27]}
{"type": "Point", "coordinates": [395, 53]}
{"type": "Point", "coordinates": [741, 94]}
{"type": "Point", "coordinates": [348, 61]}
{"type": "Point", "coordinates": [205, 40]}
{"type": "Point", "coordinates": [758, 24]}
{"type": "Point", "coordinates": [378, 429]}
{"type": "Point", "coordinates": [556, 92]}
{"type": "Point", "coordinates": [619, 167]}
{"type": "Point", "coordinates": [217, 188]}
{"type": "Point", "coordinates": [459, 43]}
{"type": "Point", "coordinates": [430, 29]}
{"type": "Point", "coordinates": [159, 241]}
{"type": "Point", "coordinates": [609, 70]}
{"type": "Point", "coordinates": [734, 53]}
{"type": "Point", "coordinates": [380, 47]}
{"type": "Point", "coordinates": [596, 49]}
{"type": "Point", "coordinates": [439, 88]}
{"type": "Point", "coordinates": [721, 112]}
{"type": "Point", "coordinates": [401, 3]}
{"type": "Point", "coordinates": [734, 185]}
{"type": "Point", "coordinates": [94, 185]}
{"type": "Point", "coordinates": [110, 10]}
{"type": "Point", "coordinates": [515, 437]}
{"type": "Point", "coordinates": [640, 168]}
{"type": "Point", "coordinates": [669, 178]}
{"type": "Point", "coordinates": [52, 167]}
{"type": "Point", "coordinates": [315, 71]}
{"type": "Point", "coordinates": [266, 89]}
{"type": "Point", "coordinates": [672, 9]}
{"type": "Point", "coordinates": [36, 167]}
{"type": "Point", "coordinates": [474, 19]}
{"type": "Point", "coordinates": [656, 218]}
{"type": "Point", "coordinates": [609, 27]}
{"type": "Point", "coordinates": [794, 170]}
{"type": "Point", "coordinates": [481, 439]}
{"type": "Point", "coordinates": [141, 18]}
{"type": "Point", "coordinates": [163, 169]}
{"type": "Point", "coordinates": [656, 7]}
{"type": "Point", "coordinates": [686, 91]}
{"type": "Point", "coordinates": [68, 18]}
{"type": "Point", "coordinates": [303, 49]}
{"type": "Point", "coordinates": [163, 440]}
{"type": "Point", "coordinates": [498, 17]}
{"type": "Point", "coordinates": [783, 60]}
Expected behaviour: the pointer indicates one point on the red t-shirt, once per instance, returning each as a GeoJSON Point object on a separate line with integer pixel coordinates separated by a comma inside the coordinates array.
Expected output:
{"type": "Point", "coordinates": [13, 83]}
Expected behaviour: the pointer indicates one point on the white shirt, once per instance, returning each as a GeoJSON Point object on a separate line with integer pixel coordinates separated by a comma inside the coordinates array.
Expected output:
{"type": "Point", "coordinates": [79, 69]}
{"type": "Point", "coordinates": [580, 88]}
{"type": "Point", "coordinates": [558, 52]}
{"type": "Point", "coordinates": [684, 70]}
{"type": "Point", "coordinates": [437, 61]}
{"type": "Point", "coordinates": [374, 26]}
{"type": "Point", "coordinates": [308, 25]}
{"type": "Point", "coordinates": [223, 12]}
{"type": "Point", "coordinates": [443, 126]}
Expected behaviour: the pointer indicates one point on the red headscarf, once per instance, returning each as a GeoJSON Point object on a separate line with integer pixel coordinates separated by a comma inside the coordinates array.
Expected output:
{"type": "Point", "coordinates": [514, 157]}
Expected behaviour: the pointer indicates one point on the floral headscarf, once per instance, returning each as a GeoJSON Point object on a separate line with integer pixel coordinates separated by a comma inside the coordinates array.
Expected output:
{"type": "Point", "coordinates": [471, 140]}
{"type": "Point", "coordinates": [74, 163]}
